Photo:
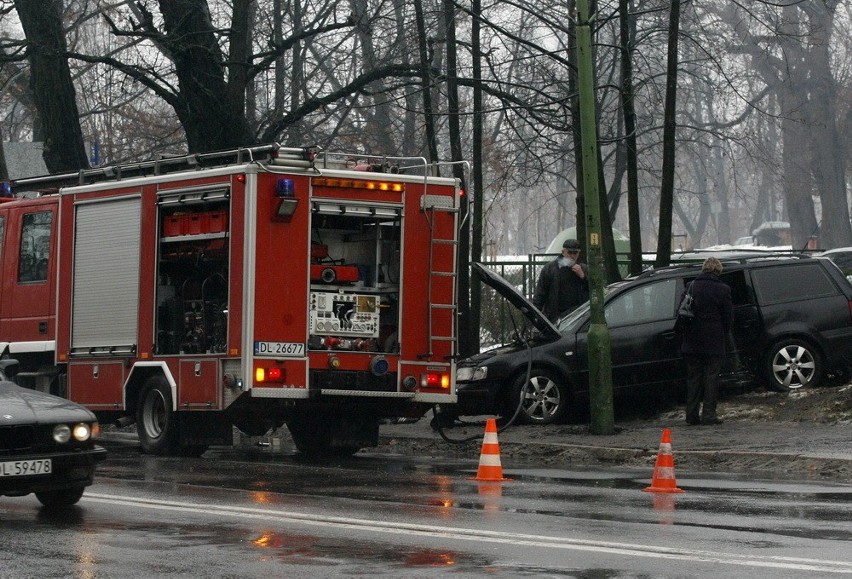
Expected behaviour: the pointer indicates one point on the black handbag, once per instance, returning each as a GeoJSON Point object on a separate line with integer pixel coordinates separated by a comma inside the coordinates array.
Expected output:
{"type": "Point", "coordinates": [685, 313]}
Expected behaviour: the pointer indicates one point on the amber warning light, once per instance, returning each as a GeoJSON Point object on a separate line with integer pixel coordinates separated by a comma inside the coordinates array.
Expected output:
{"type": "Point", "coordinates": [358, 184]}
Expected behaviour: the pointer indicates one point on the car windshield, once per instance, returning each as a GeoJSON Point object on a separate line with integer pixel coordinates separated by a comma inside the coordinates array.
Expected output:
{"type": "Point", "coordinates": [571, 320]}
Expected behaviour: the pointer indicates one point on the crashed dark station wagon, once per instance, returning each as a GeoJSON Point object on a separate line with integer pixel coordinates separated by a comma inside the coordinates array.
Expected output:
{"type": "Point", "coordinates": [46, 444]}
{"type": "Point", "coordinates": [792, 327]}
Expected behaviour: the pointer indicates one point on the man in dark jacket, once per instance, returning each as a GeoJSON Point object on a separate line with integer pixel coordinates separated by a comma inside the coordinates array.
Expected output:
{"type": "Point", "coordinates": [703, 345]}
{"type": "Point", "coordinates": [563, 284]}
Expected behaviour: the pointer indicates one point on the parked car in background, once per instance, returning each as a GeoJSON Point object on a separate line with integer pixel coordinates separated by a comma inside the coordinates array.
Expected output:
{"type": "Point", "coordinates": [842, 257]}
{"type": "Point", "coordinates": [792, 327]}
{"type": "Point", "coordinates": [46, 444]}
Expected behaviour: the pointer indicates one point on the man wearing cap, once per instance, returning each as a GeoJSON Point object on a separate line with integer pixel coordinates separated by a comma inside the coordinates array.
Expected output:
{"type": "Point", "coordinates": [563, 284]}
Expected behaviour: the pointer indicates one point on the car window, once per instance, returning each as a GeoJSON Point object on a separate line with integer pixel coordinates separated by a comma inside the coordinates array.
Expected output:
{"type": "Point", "coordinates": [786, 284]}
{"type": "Point", "coordinates": [843, 260]}
{"type": "Point", "coordinates": [647, 303]}
{"type": "Point", "coordinates": [740, 294]}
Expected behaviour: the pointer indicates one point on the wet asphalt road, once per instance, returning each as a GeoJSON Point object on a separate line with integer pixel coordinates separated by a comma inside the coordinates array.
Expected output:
{"type": "Point", "coordinates": [263, 512]}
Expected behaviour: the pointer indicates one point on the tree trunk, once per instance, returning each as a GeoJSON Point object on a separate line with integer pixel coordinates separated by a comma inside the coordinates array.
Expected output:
{"type": "Point", "coordinates": [722, 193]}
{"type": "Point", "coordinates": [478, 188]}
{"type": "Point", "coordinates": [797, 183]}
{"type": "Point", "coordinates": [297, 80]}
{"type": "Point", "coordinates": [664, 238]}
{"type": "Point", "coordinates": [204, 105]}
{"type": "Point", "coordinates": [4, 170]}
{"type": "Point", "coordinates": [574, 91]}
{"type": "Point", "coordinates": [627, 33]}
{"type": "Point", "coordinates": [426, 80]}
{"type": "Point", "coordinates": [378, 131]}
{"type": "Point", "coordinates": [465, 348]}
{"type": "Point", "coordinates": [52, 88]}
{"type": "Point", "coordinates": [829, 159]}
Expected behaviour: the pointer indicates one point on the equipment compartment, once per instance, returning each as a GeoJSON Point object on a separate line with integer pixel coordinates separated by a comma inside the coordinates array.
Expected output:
{"type": "Point", "coordinates": [355, 265]}
{"type": "Point", "coordinates": [192, 289]}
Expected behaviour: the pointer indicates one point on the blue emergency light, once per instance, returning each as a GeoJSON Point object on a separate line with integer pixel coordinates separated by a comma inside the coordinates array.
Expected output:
{"type": "Point", "coordinates": [284, 188]}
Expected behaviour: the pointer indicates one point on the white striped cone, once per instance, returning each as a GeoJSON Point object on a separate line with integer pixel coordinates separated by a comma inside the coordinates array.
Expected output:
{"type": "Point", "coordinates": [490, 468]}
{"type": "Point", "coordinates": [663, 480]}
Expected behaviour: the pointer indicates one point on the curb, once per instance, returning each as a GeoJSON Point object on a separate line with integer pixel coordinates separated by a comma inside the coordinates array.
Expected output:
{"type": "Point", "coordinates": [567, 455]}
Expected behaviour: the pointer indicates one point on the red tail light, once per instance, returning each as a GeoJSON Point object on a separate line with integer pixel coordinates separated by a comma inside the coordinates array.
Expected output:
{"type": "Point", "coordinates": [273, 374]}
{"type": "Point", "coordinates": [435, 380]}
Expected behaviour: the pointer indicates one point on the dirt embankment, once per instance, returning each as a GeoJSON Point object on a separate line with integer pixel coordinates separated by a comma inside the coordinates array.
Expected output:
{"type": "Point", "coordinates": [804, 434]}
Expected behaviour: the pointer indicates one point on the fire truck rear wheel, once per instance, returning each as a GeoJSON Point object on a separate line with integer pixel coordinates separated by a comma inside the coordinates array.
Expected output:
{"type": "Point", "coordinates": [156, 422]}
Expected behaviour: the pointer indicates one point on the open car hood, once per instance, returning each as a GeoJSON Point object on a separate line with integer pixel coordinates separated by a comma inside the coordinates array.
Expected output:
{"type": "Point", "coordinates": [514, 297]}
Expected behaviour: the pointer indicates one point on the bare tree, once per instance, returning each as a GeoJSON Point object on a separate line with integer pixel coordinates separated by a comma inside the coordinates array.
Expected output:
{"type": "Point", "coordinates": [789, 47]}
{"type": "Point", "coordinates": [51, 86]}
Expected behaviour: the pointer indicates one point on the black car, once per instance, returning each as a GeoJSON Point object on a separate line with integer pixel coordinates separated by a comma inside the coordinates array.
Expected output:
{"type": "Point", "coordinates": [792, 327]}
{"type": "Point", "coordinates": [46, 444]}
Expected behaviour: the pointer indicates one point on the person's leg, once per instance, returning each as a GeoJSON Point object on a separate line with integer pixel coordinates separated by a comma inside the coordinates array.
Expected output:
{"type": "Point", "coordinates": [694, 393]}
{"type": "Point", "coordinates": [712, 369]}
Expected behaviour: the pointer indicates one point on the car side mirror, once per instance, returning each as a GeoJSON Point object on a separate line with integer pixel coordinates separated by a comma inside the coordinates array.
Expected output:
{"type": "Point", "coordinates": [9, 367]}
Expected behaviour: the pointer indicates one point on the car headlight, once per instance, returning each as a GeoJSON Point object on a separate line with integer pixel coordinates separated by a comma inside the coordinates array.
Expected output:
{"type": "Point", "coordinates": [82, 432]}
{"type": "Point", "coordinates": [61, 433]}
{"type": "Point", "coordinates": [471, 374]}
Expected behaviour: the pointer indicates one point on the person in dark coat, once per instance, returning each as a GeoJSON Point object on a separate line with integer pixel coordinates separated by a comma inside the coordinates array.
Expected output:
{"type": "Point", "coordinates": [703, 344]}
{"type": "Point", "coordinates": [563, 284]}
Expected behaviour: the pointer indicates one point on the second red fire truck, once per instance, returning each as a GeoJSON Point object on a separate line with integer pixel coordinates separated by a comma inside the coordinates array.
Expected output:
{"type": "Point", "coordinates": [249, 288]}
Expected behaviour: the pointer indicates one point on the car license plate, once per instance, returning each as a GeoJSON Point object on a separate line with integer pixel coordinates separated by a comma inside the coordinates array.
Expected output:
{"type": "Point", "coordinates": [286, 349]}
{"type": "Point", "coordinates": [26, 467]}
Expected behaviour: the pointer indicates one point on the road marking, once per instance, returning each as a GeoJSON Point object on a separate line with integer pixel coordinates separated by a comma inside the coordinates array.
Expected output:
{"type": "Point", "coordinates": [499, 537]}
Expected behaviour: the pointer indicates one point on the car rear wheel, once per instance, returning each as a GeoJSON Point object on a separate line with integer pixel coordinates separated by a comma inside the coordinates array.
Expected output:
{"type": "Point", "coordinates": [543, 399]}
{"type": "Point", "coordinates": [792, 364]}
{"type": "Point", "coordinates": [61, 498]}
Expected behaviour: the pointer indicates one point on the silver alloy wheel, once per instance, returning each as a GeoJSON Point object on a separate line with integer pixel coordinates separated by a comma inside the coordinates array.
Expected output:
{"type": "Point", "coordinates": [542, 399]}
{"type": "Point", "coordinates": [793, 366]}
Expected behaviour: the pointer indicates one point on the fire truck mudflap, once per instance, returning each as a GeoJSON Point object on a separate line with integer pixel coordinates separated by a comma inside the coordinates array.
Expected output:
{"type": "Point", "coordinates": [250, 288]}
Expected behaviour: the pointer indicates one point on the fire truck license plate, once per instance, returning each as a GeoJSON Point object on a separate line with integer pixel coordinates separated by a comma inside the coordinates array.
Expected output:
{"type": "Point", "coordinates": [26, 467]}
{"type": "Point", "coordinates": [290, 349]}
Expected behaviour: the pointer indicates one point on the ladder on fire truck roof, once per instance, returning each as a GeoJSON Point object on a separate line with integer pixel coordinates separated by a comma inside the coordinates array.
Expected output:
{"type": "Point", "coordinates": [430, 204]}
{"type": "Point", "coordinates": [290, 156]}
{"type": "Point", "coordinates": [303, 157]}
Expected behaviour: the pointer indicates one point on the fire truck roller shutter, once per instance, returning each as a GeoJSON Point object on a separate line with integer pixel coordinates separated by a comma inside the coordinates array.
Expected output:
{"type": "Point", "coordinates": [106, 274]}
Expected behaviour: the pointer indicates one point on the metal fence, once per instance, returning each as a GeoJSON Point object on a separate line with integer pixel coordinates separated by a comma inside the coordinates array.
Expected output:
{"type": "Point", "coordinates": [495, 326]}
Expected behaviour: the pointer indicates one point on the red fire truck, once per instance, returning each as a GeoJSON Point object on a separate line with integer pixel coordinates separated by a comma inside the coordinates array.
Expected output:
{"type": "Point", "coordinates": [251, 288]}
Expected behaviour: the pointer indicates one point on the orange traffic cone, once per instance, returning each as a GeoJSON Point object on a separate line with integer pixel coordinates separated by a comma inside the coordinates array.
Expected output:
{"type": "Point", "coordinates": [490, 468]}
{"type": "Point", "coordinates": [663, 480]}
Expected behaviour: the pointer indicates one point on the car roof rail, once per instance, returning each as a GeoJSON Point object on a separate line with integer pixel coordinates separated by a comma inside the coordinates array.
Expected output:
{"type": "Point", "coordinates": [696, 263]}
